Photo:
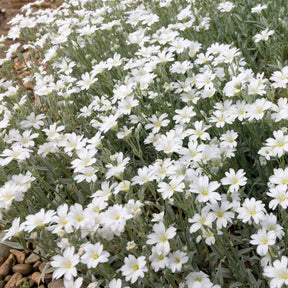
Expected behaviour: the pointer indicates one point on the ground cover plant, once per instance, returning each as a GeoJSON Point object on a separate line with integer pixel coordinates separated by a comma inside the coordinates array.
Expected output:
{"type": "Point", "coordinates": [146, 143]}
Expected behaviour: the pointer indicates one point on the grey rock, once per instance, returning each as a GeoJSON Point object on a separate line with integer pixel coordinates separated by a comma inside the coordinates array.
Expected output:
{"type": "Point", "coordinates": [56, 284]}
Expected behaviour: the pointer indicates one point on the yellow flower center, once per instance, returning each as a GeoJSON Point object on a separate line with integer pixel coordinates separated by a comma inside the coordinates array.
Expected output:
{"type": "Point", "coordinates": [68, 265]}
{"type": "Point", "coordinates": [284, 275]}
{"type": "Point", "coordinates": [204, 191]}
{"type": "Point", "coordinates": [220, 214]}
{"type": "Point", "coordinates": [95, 256]}
{"type": "Point", "coordinates": [135, 267]}
{"type": "Point", "coordinates": [79, 218]}
{"type": "Point", "coordinates": [265, 241]}
{"type": "Point", "coordinates": [253, 212]}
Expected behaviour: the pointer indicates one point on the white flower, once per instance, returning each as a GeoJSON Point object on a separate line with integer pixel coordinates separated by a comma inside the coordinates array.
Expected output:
{"type": "Point", "coordinates": [78, 217]}
{"type": "Point", "coordinates": [53, 131]}
{"type": "Point", "coordinates": [38, 220]}
{"type": "Point", "coordinates": [86, 158]}
{"type": "Point", "coordinates": [94, 255]}
{"type": "Point", "coordinates": [205, 190]}
{"type": "Point", "coordinates": [115, 218]}
{"type": "Point", "coordinates": [278, 272]}
{"type": "Point", "coordinates": [109, 122]}
{"type": "Point", "coordinates": [73, 284]}
{"type": "Point", "coordinates": [157, 122]}
{"type": "Point", "coordinates": [221, 118]}
{"type": "Point", "coordinates": [87, 81]}
{"type": "Point", "coordinates": [9, 193]}
{"type": "Point", "coordinates": [158, 217]}
{"type": "Point", "coordinates": [161, 236]}
{"type": "Point", "coordinates": [258, 8]}
{"type": "Point", "coordinates": [33, 121]}
{"type": "Point", "coordinates": [251, 209]}
{"type": "Point", "coordinates": [198, 280]}
{"type": "Point", "coordinates": [14, 229]}
{"type": "Point", "coordinates": [229, 139]}
{"type": "Point", "coordinates": [65, 264]}
{"type": "Point", "coordinates": [257, 109]}
{"type": "Point", "coordinates": [88, 174]}
{"type": "Point", "coordinates": [281, 109]}
{"type": "Point", "coordinates": [158, 258]}
{"type": "Point", "coordinates": [280, 195]}
{"type": "Point", "coordinates": [184, 115]}
{"type": "Point", "coordinates": [134, 268]}
{"type": "Point", "coordinates": [280, 78]}
{"type": "Point", "coordinates": [176, 260]}
{"type": "Point", "coordinates": [61, 220]}
{"type": "Point", "coordinates": [144, 175]}
{"type": "Point", "coordinates": [205, 79]}
{"type": "Point", "coordinates": [199, 131]}
{"type": "Point", "coordinates": [115, 283]}
{"type": "Point", "coordinates": [226, 6]}
{"type": "Point", "coordinates": [235, 180]}
{"type": "Point", "coordinates": [263, 239]}
{"type": "Point", "coordinates": [167, 189]}
{"type": "Point", "coordinates": [181, 67]}
{"type": "Point", "coordinates": [278, 144]}
{"type": "Point", "coordinates": [263, 36]}
{"type": "Point", "coordinates": [130, 245]}
{"type": "Point", "coordinates": [269, 222]}
{"type": "Point", "coordinates": [206, 218]}
{"type": "Point", "coordinates": [222, 214]}
{"type": "Point", "coordinates": [16, 153]}
{"type": "Point", "coordinates": [208, 235]}
{"type": "Point", "coordinates": [25, 139]}
{"type": "Point", "coordinates": [280, 177]}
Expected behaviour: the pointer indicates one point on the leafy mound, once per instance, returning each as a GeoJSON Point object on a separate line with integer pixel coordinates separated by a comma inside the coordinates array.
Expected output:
{"type": "Point", "coordinates": [146, 142]}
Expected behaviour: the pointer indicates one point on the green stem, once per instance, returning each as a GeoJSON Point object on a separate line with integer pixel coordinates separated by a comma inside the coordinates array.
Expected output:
{"type": "Point", "coordinates": [237, 258]}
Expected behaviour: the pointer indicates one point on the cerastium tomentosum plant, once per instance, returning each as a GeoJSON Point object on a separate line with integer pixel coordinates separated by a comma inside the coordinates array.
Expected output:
{"type": "Point", "coordinates": [146, 143]}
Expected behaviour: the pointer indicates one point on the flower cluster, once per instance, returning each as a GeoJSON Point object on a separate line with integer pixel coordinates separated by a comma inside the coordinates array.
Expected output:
{"type": "Point", "coordinates": [143, 145]}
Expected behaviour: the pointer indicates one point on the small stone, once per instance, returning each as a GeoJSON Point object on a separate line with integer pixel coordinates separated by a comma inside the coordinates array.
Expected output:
{"type": "Point", "coordinates": [42, 266]}
{"type": "Point", "coordinates": [48, 277]}
{"type": "Point", "coordinates": [14, 279]}
{"type": "Point", "coordinates": [36, 266]}
{"type": "Point", "coordinates": [7, 278]}
{"type": "Point", "coordinates": [4, 251]}
{"type": "Point", "coordinates": [26, 252]}
{"type": "Point", "coordinates": [6, 266]}
{"type": "Point", "coordinates": [20, 256]}
{"type": "Point", "coordinates": [33, 258]}
{"type": "Point", "coordinates": [24, 269]}
{"type": "Point", "coordinates": [21, 281]}
{"type": "Point", "coordinates": [56, 284]}
{"type": "Point", "coordinates": [36, 277]}
{"type": "Point", "coordinates": [2, 260]}
{"type": "Point", "coordinates": [45, 5]}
